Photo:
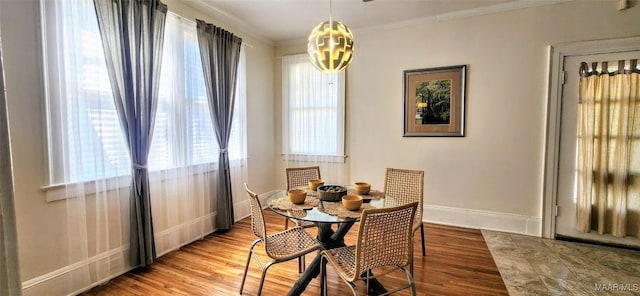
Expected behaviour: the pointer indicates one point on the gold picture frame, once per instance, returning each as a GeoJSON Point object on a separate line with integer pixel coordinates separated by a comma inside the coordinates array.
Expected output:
{"type": "Point", "coordinates": [434, 102]}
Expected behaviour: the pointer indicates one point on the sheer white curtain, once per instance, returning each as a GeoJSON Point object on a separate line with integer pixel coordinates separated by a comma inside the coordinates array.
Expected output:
{"type": "Point", "coordinates": [183, 144]}
{"type": "Point", "coordinates": [313, 118]}
{"type": "Point", "coordinates": [238, 139]}
{"type": "Point", "coordinates": [182, 208]}
{"type": "Point", "coordinates": [88, 162]}
{"type": "Point", "coordinates": [89, 165]}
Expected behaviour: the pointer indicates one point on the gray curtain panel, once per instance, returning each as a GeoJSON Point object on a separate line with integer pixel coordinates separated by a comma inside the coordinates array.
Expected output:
{"type": "Point", "coordinates": [132, 37]}
{"type": "Point", "coordinates": [220, 53]}
{"type": "Point", "coordinates": [9, 270]}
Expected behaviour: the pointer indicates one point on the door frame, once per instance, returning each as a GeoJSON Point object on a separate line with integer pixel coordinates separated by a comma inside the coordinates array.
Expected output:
{"type": "Point", "coordinates": [557, 54]}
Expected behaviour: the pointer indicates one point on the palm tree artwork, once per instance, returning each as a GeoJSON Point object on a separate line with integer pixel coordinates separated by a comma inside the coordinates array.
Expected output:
{"type": "Point", "coordinates": [433, 102]}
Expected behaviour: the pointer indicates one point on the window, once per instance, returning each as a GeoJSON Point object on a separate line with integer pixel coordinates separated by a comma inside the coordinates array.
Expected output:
{"type": "Point", "coordinates": [313, 109]}
{"type": "Point", "coordinates": [85, 141]}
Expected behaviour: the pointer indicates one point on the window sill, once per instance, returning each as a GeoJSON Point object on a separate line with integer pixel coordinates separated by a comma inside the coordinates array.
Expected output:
{"type": "Point", "coordinates": [63, 191]}
{"type": "Point", "coordinates": [315, 158]}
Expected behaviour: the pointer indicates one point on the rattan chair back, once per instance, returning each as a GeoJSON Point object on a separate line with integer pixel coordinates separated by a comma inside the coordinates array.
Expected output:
{"type": "Point", "coordinates": [300, 176]}
{"type": "Point", "coordinates": [385, 239]}
{"type": "Point", "coordinates": [405, 186]}
{"type": "Point", "coordinates": [257, 218]}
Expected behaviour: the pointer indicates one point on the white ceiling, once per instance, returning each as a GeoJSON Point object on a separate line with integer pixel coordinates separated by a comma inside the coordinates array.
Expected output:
{"type": "Point", "coordinates": [281, 21]}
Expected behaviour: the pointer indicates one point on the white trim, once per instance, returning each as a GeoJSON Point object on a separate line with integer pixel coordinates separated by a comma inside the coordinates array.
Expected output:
{"type": "Point", "coordinates": [63, 191]}
{"type": "Point", "coordinates": [492, 9]}
{"type": "Point", "coordinates": [69, 268]}
{"type": "Point", "coordinates": [557, 53]}
{"type": "Point", "coordinates": [242, 209]}
{"type": "Point", "coordinates": [114, 255]}
{"type": "Point", "coordinates": [162, 237]}
{"type": "Point", "coordinates": [477, 219]}
{"type": "Point", "coordinates": [314, 158]}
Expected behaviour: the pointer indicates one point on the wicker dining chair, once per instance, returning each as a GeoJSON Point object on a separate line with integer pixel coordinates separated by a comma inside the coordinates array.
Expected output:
{"type": "Point", "coordinates": [281, 246]}
{"type": "Point", "coordinates": [297, 177]}
{"type": "Point", "coordinates": [384, 244]}
{"type": "Point", "coordinates": [406, 186]}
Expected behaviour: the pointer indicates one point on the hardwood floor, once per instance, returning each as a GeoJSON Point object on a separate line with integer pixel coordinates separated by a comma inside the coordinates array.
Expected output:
{"type": "Point", "coordinates": [458, 262]}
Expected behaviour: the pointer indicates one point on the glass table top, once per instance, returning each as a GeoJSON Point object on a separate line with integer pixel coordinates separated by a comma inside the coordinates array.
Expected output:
{"type": "Point", "coordinates": [317, 214]}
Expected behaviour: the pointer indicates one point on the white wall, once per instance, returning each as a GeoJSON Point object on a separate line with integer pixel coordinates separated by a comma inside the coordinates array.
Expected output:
{"type": "Point", "coordinates": [491, 178]}
{"type": "Point", "coordinates": [41, 225]}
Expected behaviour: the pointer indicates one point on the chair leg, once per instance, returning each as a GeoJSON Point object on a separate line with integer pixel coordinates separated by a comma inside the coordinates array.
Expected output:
{"type": "Point", "coordinates": [264, 273]}
{"type": "Point", "coordinates": [368, 289]}
{"type": "Point", "coordinates": [246, 268]}
{"type": "Point", "coordinates": [411, 267]}
{"type": "Point", "coordinates": [301, 264]}
{"type": "Point", "coordinates": [424, 250]}
{"type": "Point", "coordinates": [286, 223]}
{"type": "Point", "coordinates": [354, 289]}
{"type": "Point", "coordinates": [412, 283]}
{"type": "Point", "coordinates": [323, 277]}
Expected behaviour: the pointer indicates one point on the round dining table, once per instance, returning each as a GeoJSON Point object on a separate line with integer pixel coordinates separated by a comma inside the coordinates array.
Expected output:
{"type": "Point", "coordinates": [323, 215]}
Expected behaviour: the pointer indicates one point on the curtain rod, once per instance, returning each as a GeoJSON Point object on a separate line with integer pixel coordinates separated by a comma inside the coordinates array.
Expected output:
{"type": "Point", "coordinates": [585, 71]}
{"type": "Point", "coordinates": [191, 20]}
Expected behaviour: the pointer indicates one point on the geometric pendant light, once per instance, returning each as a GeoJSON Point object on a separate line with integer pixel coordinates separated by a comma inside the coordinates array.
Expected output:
{"type": "Point", "coordinates": [330, 45]}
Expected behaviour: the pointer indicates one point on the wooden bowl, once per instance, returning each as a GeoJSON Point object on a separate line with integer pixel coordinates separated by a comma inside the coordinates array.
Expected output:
{"type": "Point", "coordinates": [362, 187]}
{"type": "Point", "coordinates": [297, 196]}
{"type": "Point", "coordinates": [352, 202]}
{"type": "Point", "coordinates": [315, 183]}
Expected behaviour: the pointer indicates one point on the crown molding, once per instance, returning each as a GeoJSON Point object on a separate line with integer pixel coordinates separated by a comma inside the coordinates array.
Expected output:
{"type": "Point", "coordinates": [493, 9]}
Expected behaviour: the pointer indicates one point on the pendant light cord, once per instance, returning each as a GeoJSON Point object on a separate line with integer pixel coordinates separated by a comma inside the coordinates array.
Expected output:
{"type": "Point", "coordinates": [330, 14]}
{"type": "Point", "coordinates": [330, 26]}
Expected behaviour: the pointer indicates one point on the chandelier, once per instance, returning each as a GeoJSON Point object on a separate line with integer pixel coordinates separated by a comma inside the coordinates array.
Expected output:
{"type": "Point", "coordinates": [330, 45]}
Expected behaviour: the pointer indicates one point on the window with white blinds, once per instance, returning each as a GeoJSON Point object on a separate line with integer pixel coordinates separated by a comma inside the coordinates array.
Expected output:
{"type": "Point", "coordinates": [84, 136]}
{"type": "Point", "coordinates": [312, 109]}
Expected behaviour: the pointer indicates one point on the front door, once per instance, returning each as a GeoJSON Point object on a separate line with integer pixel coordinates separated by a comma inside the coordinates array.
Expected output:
{"type": "Point", "coordinates": [567, 179]}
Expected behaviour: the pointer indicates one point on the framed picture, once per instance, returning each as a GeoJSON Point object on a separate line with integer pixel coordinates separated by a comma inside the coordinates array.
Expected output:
{"type": "Point", "coordinates": [434, 102]}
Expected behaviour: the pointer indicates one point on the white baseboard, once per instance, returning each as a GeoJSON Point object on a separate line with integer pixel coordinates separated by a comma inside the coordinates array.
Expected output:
{"type": "Point", "coordinates": [180, 235]}
{"type": "Point", "coordinates": [79, 277]}
{"type": "Point", "coordinates": [242, 209]}
{"type": "Point", "coordinates": [478, 219]}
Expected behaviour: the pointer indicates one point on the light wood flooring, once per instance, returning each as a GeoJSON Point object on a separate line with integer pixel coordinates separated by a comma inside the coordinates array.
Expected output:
{"type": "Point", "coordinates": [458, 262]}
